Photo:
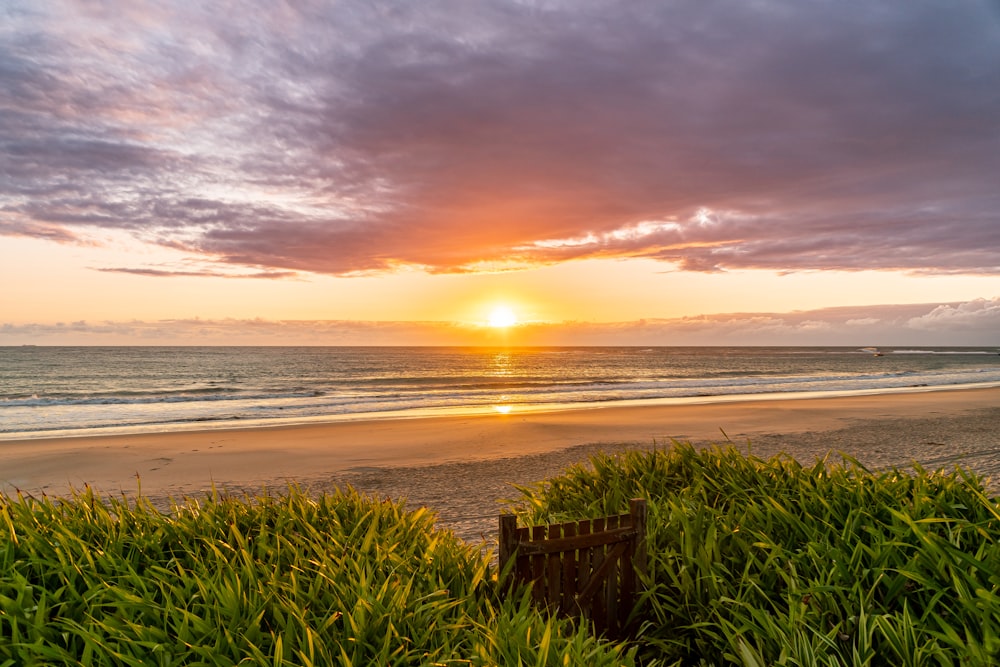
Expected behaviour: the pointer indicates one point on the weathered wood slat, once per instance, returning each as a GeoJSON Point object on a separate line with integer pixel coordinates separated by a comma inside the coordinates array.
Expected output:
{"type": "Point", "coordinates": [579, 542]}
{"type": "Point", "coordinates": [599, 576]}
{"type": "Point", "coordinates": [611, 587]}
{"type": "Point", "coordinates": [626, 584]}
{"type": "Point", "coordinates": [567, 601]}
{"type": "Point", "coordinates": [637, 510]}
{"type": "Point", "coordinates": [553, 579]}
{"type": "Point", "coordinates": [597, 604]}
{"type": "Point", "coordinates": [538, 568]}
{"type": "Point", "coordinates": [523, 570]}
{"type": "Point", "coordinates": [583, 566]}
{"type": "Point", "coordinates": [508, 540]}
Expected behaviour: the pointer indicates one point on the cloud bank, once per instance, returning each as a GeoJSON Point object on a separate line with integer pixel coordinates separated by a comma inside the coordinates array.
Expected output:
{"type": "Point", "coordinates": [975, 323]}
{"type": "Point", "coordinates": [357, 137]}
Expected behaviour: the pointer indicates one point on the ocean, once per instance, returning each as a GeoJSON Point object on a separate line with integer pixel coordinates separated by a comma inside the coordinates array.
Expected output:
{"type": "Point", "coordinates": [65, 391]}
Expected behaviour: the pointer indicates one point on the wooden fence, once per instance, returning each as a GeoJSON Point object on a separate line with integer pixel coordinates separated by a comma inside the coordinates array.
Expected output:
{"type": "Point", "coordinates": [585, 569]}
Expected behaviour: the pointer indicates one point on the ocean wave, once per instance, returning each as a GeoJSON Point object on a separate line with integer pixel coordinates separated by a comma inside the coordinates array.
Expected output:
{"type": "Point", "coordinates": [462, 389]}
{"type": "Point", "coordinates": [306, 384]}
{"type": "Point", "coordinates": [148, 398]}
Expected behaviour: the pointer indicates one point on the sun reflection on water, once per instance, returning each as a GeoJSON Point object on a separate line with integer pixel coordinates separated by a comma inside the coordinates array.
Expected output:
{"type": "Point", "coordinates": [503, 364]}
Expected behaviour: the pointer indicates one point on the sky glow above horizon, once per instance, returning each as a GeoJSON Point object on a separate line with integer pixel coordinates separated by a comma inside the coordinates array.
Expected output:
{"type": "Point", "coordinates": [395, 171]}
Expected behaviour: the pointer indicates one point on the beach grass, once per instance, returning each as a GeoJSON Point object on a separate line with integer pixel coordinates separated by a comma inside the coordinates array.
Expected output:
{"type": "Point", "coordinates": [342, 579]}
{"type": "Point", "coordinates": [770, 562]}
{"type": "Point", "coordinates": [751, 562]}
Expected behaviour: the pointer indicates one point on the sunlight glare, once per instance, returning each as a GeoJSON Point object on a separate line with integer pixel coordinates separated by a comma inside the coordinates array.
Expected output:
{"type": "Point", "coordinates": [502, 316]}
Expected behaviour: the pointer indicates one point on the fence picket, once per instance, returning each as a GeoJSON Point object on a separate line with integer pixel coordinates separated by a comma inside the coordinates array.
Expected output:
{"type": "Point", "coordinates": [567, 601]}
{"type": "Point", "coordinates": [538, 534]}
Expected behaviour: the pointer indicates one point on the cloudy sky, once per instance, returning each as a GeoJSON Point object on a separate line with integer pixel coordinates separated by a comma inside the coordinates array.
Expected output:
{"type": "Point", "coordinates": [668, 172]}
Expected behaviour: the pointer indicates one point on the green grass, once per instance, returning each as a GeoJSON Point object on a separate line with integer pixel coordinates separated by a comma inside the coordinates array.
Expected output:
{"type": "Point", "coordinates": [768, 562]}
{"type": "Point", "coordinates": [751, 562]}
{"type": "Point", "coordinates": [271, 580]}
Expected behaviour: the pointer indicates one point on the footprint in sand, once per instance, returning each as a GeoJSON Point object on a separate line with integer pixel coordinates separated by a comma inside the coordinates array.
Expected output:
{"type": "Point", "coordinates": [163, 459]}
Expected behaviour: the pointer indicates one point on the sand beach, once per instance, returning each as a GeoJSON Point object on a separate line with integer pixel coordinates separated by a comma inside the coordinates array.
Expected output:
{"type": "Point", "coordinates": [462, 466]}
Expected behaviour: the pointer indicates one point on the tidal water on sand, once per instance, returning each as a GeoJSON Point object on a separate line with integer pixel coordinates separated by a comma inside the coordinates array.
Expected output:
{"type": "Point", "coordinates": [57, 391]}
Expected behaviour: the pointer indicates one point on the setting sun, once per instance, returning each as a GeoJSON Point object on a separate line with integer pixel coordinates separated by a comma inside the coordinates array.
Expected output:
{"type": "Point", "coordinates": [502, 316]}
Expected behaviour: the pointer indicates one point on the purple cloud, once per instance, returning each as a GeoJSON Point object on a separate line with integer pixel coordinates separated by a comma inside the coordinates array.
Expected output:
{"type": "Point", "coordinates": [164, 273]}
{"type": "Point", "coordinates": [364, 136]}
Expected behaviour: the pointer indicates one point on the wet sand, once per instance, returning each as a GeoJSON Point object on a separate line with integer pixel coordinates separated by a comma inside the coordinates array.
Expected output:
{"type": "Point", "coordinates": [461, 466]}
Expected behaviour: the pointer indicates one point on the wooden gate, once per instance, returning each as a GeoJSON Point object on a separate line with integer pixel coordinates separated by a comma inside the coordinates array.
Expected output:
{"type": "Point", "coordinates": [586, 569]}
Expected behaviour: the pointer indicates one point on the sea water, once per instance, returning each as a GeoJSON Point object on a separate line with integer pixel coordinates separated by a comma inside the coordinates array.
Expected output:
{"type": "Point", "coordinates": [58, 391]}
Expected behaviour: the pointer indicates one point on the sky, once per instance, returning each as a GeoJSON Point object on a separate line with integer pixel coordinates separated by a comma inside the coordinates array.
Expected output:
{"type": "Point", "coordinates": [671, 172]}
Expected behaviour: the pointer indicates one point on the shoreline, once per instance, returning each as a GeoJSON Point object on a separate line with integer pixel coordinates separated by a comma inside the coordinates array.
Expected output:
{"type": "Point", "coordinates": [460, 465]}
{"type": "Point", "coordinates": [512, 410]}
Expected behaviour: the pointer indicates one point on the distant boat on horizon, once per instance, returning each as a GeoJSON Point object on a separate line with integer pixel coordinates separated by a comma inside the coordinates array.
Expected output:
{"type": "Point", "coordinates": [874, 351]}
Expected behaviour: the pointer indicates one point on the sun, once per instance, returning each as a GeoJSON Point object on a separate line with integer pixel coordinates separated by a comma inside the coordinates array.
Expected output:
{"type": "Point", "coordinates": [501, 317]}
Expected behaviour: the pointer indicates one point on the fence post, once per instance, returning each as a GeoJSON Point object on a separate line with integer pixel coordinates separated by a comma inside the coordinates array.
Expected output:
{"type": "Point", "coordinates": [637, 508]}
{"type": "Point", "coordinates": [507, 542]}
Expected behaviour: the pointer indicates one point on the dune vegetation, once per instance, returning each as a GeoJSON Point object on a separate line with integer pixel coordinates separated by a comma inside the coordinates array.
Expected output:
{"type": "Point", "coordinates": [768, 562]}
{"type": "Point", "coordinates": [292, 580]}
{"type": "Point", "coordinates": [751, 562]}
